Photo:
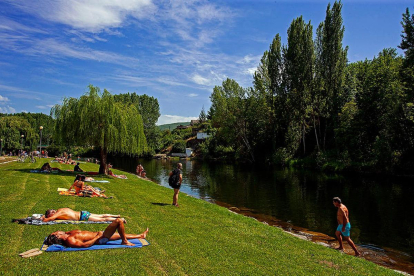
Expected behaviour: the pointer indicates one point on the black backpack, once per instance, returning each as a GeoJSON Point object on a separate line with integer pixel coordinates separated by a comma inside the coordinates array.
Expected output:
{"type": "Point", "coordinates": [174, 178]}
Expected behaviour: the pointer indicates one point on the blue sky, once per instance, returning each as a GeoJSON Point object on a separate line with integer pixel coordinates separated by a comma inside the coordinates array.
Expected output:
{"type": "Point", "coordinates": [176, 51]}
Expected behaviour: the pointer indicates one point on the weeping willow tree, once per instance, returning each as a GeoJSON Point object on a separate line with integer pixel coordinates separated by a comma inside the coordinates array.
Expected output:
{"type": "Point", "coordinates": [96, 120]}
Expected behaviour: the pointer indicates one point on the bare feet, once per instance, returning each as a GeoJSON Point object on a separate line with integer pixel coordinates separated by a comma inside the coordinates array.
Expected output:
{"type": "Point", "coordinates": [357, 254]}
{"type": "Point", "coordinates": [127, 243]}
{"type": "Point", "coordinates": [144, 235]}
{"type": "Point", "coordinates": [339, 248]}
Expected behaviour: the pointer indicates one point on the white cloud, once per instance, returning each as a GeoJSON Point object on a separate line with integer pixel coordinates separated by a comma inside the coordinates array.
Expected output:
{"type": "Point", "coordinates": [27, 94]}
{"type": "Point", "coordinates": [250, 71]}
{"type": "Point", "coordinates": [192, 95]}
{"type": "Point", "coordinates": [249, 59]}
{"type": "Point", "coordinates": [200, 80]}
{"type": "Point", "coordinates": [41, 106]}
{"type": "Point", "coordinates": [24, 111]}
{"type": "Point", "coordinates": [7, 109]}
{"type": "Point", "coordinates": [170, 119]}
{"type": "Point", "coordinates": [3, 99]}
{"type": "Point", "coordinates": [57, 49]}
{"type": "Point", "coordinates": [88, 15]}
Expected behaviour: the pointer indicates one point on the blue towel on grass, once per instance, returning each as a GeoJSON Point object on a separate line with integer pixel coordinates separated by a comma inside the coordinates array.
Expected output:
{"type": "Point", "coordinates": [109, 245]}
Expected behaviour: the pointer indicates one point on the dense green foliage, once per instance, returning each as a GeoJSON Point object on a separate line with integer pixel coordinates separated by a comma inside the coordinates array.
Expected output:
{"type": "Point", "coordinates": [97, 120]}
{"type": "Point", "coordinates": [199, 238]}
{"type": "Point", "coordinates": [148, 108]}
{"type": "Point", "coordinates": [307, 102]}
{"type": "Point", "coordinates": [12, 126]}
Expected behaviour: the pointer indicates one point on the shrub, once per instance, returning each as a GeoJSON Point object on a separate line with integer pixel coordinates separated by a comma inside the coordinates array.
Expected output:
{"type": "Point", "coordinates": [179, 146]}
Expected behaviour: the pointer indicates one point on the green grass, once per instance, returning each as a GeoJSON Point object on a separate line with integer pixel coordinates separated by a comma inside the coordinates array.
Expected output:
{"type": "Point", "coordinates": [199, 238]}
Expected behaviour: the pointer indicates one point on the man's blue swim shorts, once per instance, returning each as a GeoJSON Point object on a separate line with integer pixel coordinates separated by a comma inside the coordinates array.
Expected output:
{"type": "Point", "coordinates": [347, 231]}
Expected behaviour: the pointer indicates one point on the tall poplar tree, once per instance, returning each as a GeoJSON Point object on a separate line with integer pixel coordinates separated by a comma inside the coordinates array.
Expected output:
{"type": "Point", "coordinates": [331, 59]}
{"type": "Point", "coordinates": [97, 120]}
{"type": "Point", "coordinates": [299, 70]}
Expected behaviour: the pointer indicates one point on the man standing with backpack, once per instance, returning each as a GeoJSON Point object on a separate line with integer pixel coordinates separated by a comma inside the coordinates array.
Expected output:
{"type": "Point", "coordinates": [175, 180]}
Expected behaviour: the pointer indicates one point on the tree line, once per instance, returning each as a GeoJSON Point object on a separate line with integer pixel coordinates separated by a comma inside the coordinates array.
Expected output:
{"type": "Point", "coordinates": [308, 102]}
{"type": "Point", "coordinates": [22, 131]}
{"type": "Point", "coordinates": [97, 122]}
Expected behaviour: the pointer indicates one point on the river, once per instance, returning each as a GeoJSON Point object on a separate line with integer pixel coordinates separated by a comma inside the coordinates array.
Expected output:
{"type": "Point", "coordinates": [381, 208]}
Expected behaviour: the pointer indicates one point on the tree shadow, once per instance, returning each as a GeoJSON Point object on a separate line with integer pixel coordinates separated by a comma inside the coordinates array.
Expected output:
{"type": "Point", "coordinates": [61, 173]}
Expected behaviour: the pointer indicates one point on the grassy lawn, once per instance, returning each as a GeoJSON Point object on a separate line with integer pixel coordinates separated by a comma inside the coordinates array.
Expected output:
{"type": "Point", "coordinates": [199, 238]}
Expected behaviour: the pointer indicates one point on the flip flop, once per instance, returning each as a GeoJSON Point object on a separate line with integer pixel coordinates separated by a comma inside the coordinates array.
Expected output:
{"type": "Point", "coordinates": [31, 253]}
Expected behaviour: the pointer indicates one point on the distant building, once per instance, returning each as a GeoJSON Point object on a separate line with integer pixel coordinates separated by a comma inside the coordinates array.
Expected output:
{"type": "Point", "coordinates": [188, 153]}
{"type": "Point", "coordinates": [182, 127]}
{"type": "Point", "coordinates": [194, 122]}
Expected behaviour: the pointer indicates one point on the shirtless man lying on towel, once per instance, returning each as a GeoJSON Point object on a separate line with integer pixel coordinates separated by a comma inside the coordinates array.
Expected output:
{"type": "Point", "coordinates": [78, 238]}
{"type": "Point", "coordinates": [69, 214]}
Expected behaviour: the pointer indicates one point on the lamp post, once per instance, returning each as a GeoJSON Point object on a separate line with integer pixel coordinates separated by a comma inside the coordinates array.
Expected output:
{"type": "Point", "coordinates": [40, 145]}
{"type": "Point", "coordinates": [21, 148]}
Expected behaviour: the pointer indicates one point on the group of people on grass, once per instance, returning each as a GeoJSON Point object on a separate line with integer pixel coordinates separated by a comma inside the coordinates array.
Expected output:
{"type": "Point", "coordinates": [78, 238]}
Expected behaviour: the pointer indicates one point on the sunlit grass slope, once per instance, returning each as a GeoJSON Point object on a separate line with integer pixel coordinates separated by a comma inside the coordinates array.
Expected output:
{"type": "Point", "coordinates": [199, 238]}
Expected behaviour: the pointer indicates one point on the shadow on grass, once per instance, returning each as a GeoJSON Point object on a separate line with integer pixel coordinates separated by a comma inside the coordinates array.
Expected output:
{"type": "Point", "coordinates": [160, 204]}
{"type": "Point", "coordinates": [63, 173]}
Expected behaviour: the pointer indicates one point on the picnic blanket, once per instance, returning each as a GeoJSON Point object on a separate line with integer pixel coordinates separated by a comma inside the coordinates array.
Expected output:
{"type": "Point", "coordinates": [138, 243]}
{"type": "Point", "coordinates": [35, 220]}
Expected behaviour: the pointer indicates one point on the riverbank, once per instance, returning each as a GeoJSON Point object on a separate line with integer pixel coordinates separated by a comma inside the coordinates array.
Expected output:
{"type": "Point", "coordinates": [199, 238]}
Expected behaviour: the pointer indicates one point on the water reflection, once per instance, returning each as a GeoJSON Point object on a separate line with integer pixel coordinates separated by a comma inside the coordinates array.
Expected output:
{"type": "Point", "coordinates": [381, 210]}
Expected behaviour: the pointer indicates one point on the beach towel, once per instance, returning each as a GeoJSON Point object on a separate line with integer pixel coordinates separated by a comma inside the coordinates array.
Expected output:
{"type": "Point", "coordinates": [138, 243]}
{"type": "Point", "coordinates": [39, 171]}
{"type": "Point", "coordinates": [64, 191]}
{"type": "Point", "coordinates": [97, 181]}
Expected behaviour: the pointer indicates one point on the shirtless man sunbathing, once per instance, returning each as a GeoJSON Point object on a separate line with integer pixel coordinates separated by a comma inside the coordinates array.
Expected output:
{"type": "Point", "coordinates": [69, 214]}
{"type": "Point", "coordinates": [78, 238]}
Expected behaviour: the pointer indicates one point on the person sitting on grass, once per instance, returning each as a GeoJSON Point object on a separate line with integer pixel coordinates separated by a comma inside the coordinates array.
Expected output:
{"type": "Point", "coordinates": [77, 168]}
{"type": "Point", "coordinates": [69, 214]}
{"type": "Point", "coordinates": [47, 168]}
{"type": "Point", "coordinates": [82, 239]}
{"type": "Point", "coordinates": [83, 190]}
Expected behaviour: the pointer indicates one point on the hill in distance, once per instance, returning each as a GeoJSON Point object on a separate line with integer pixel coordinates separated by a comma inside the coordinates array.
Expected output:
{"type": "Point", "coordinates": [172, 126]}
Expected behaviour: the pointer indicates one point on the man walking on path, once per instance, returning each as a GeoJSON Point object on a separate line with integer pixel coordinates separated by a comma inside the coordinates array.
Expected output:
{"type": "Point", "coordinates": [175, 180]}
{"type": "Point", "coordinates": [344, 226]}
{"type": "Point", "coordinates": [82, 239]}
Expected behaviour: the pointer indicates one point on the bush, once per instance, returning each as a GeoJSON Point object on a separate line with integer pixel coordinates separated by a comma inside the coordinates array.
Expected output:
{"type": "Point", "coordinates": [179, 146]}
{"type": "Point", "coordinates": [281, 156]}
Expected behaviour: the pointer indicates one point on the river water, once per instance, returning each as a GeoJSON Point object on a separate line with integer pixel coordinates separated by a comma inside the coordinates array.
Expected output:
{"type": "Point", "coordinates": [381, 209]}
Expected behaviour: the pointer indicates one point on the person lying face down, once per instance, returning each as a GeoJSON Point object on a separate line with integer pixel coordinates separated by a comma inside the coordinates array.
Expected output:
{"type": "Point", "coordinates": [69, 214]}
{"type": "Point", "coordinates": [78, 238]}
